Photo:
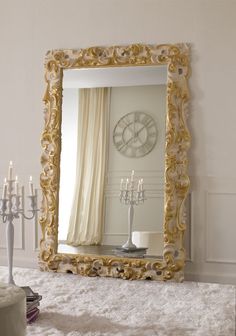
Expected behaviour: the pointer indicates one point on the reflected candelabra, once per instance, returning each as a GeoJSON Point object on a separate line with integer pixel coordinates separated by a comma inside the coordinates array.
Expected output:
{"type": "Point", "coordinates": [10, 208]}
{"type": "Point", "coordinates": [131, 193]}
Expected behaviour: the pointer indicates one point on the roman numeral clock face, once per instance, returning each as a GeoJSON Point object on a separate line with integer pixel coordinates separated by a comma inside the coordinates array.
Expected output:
{"type": "Point", "coordinates": [135, 134]}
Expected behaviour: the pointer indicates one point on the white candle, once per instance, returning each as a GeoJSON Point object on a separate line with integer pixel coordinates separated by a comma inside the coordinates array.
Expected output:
{"type": "Point", "coordinates": [121, 184]}
{"type": "Point", "coordinates": [132, 176]}
{"type": "Point", "coordinates": [127, 184]}
{"type": "Point", "coordinates": [10, 169]}
{"type": "Point", "coordinates": [31, 187]}
{"type": "Point", "coordinates": [16, 186]}
{"type": "Point", "coordinates": [141, 184]}
{"type": "Point", "coordinates": [4, 191]}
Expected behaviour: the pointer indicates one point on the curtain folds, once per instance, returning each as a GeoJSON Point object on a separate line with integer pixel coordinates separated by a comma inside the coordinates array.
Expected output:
{"type": "Point", "coordinates": [87, 214]}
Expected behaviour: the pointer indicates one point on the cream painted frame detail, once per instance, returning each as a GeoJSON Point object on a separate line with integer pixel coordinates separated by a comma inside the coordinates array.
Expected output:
{"type": "Point", "coordinates": [176, 57]}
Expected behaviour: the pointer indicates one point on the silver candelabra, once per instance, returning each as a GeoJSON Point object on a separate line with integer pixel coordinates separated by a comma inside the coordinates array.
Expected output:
{"type": "Point", "coordinates": [10, 208]}
{"type": "Point", "coordinates": [131, 193]}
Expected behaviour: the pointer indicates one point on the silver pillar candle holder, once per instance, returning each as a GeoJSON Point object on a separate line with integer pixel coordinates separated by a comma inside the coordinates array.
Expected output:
{"type": "Point", "coordinates": [131, 193]}
{"type": "Point", "coordinates": [11, 208]}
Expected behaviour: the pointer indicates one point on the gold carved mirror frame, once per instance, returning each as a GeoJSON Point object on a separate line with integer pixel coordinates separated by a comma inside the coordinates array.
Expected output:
{"type": "Point", "coordinates": [176, 58]}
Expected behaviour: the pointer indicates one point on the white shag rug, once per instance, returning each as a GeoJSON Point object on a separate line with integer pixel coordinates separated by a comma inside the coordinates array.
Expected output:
{"type": "Point", "coordinates": [73, 305]}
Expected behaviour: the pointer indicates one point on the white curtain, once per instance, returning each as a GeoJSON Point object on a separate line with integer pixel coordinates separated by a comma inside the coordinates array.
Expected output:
{"type": "Point", "coordinates": [87, 214]}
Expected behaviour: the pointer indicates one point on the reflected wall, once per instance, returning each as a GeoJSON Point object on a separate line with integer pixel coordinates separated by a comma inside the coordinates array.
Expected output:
{"type": "Point", "coordinates": [150, 99]}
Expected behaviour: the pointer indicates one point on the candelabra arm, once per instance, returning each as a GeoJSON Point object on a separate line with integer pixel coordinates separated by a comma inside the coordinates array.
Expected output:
{"type": "Point", "coordinates": [33, 204]}
{"type": "Point", "coordinates": [10, 244]}
{"type": "Point", "coordinates": [30, 217]}
{"type": "Point", "coordinates": [3, 207]}
{"type": "Point", "coordinates": [4, 218]}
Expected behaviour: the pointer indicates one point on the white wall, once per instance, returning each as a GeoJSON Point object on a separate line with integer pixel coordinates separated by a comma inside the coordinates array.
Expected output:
{"type": "Point", "coordinates": [29, 28]}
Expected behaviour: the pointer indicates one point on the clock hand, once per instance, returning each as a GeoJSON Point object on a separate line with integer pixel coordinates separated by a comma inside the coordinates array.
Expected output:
{"type": "Point", "coordinates": [129, 126]}
{"type": "Point", "coordinates": [145, 126]}
{"type": "Point", "coordinates": [140, 130]}
{"type": "Point", "coordinates": [126, 143]}
{"type": "Point", "coordinates": [136, 135]}
{"type": "Point", "coordinates": [134, 138]}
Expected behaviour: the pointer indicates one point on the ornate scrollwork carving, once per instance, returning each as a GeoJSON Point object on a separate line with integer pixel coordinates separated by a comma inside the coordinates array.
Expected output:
{"type": "Point", "coordinates": [176, 58]}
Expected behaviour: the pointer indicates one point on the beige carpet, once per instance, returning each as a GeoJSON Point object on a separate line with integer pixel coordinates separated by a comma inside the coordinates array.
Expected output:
{"type": "Point", "coordinates": [75, 306]}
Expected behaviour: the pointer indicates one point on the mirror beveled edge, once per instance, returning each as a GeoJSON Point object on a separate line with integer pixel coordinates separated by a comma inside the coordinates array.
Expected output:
{"type": "Point", "coordinates": [176, 57]}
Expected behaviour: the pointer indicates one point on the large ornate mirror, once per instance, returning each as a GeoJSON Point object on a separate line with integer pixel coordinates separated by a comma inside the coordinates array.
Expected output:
{"type": "Point", "coordinates": [115, 127]}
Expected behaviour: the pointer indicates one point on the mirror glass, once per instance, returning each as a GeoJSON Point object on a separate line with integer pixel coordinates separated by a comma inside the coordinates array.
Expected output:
{"type": "Point", "coordinates": [136, 97]}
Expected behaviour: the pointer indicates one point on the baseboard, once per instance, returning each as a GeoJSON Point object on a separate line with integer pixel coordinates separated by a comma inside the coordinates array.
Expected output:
{"type": "Point", "coordinates": [20, 262]}
{"type": "Point", "coordinates": [206, 277]}
{"type": "Point", "coordinates": [212, 278]}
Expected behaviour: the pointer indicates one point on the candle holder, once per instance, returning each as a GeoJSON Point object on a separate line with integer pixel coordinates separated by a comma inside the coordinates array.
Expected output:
{"type": "Point", "coordinates": [132, 193]}
{"type": "Point", "coordinates": [10, 208]}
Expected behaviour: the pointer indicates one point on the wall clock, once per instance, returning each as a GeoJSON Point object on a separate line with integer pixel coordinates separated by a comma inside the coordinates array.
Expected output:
{"type": "Point", "coordinates": [135, 134]}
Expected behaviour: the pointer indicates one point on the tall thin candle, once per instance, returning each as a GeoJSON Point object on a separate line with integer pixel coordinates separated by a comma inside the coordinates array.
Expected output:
{"type": "Point", "coordinates": [31, 187]}
{"type": "Point", "coordinates": [16, 186]}
{"type": "Point", "coordinates": [10, 170]}
{"type": "Point", "coordinates": [121, 184]}
{"type": "Point", "coordinates": [4, 191]}
{"type": "Point", "coordinates": [132, 176]}
{"type": "Point", "coordinates": [141, 184]}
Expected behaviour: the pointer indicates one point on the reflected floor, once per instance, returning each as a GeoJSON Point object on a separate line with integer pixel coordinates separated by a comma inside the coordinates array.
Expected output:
{"type": "Point", "coordinates": [95, 249]}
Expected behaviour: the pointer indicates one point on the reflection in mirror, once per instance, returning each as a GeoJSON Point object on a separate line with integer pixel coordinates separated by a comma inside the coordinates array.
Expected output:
{"type": "Point", "coordinates": [113, 122]}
